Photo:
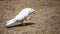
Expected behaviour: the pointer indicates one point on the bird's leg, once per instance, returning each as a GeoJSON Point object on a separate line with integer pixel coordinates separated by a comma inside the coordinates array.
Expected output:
{"type": "Point", "coordinates": [22, 22]}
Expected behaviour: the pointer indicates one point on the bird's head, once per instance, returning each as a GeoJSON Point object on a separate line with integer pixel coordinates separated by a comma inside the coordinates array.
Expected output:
{"type": "Point", "coordinates": [31, 11]}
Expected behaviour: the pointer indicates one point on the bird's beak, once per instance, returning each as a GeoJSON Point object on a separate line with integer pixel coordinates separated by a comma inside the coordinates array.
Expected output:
{"type": "Point", "coordinates": [33, 12]}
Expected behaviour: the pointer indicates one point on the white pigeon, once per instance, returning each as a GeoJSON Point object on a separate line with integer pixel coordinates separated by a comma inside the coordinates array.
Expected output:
{"type": "Point", "coordinates": [23, 15]}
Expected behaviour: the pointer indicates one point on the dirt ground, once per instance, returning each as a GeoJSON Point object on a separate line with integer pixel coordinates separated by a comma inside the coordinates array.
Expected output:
{"type": "Point", "coordinates": [45, 21]}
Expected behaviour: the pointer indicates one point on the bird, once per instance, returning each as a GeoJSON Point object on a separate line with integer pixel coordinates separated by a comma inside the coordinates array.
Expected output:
{"type": "Point", "coordinates": [21, 16]}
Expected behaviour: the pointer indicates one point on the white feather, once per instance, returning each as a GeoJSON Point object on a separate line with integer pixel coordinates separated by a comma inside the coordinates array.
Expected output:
{"type": "Point", "coordinates": [22, 15]}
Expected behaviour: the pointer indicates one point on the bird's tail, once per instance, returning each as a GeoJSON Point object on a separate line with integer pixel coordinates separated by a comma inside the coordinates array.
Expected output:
{"type": "Point", "coordinates": [11, 21]}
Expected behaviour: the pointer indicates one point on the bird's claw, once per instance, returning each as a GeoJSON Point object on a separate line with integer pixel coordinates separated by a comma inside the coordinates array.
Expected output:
{"type": "Point", "coordinates": [23, 24]}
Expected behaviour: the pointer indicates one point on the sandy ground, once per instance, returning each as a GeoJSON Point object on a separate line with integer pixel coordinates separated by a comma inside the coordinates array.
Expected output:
{"type": "Point", "coordinates": [45, 21]}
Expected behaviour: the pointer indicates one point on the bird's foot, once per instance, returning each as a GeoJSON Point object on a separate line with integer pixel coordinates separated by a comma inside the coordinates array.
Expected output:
{"type": "Point", "coordinates": [23, 24]}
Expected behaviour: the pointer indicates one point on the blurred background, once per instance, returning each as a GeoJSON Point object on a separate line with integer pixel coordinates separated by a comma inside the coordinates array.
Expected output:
{"type": "Point", "coordinates": [46, 20]}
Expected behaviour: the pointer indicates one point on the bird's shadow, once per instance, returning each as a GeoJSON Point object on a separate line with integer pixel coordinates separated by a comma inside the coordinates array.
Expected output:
{"type": "Point", "coordinates": [18, 25]}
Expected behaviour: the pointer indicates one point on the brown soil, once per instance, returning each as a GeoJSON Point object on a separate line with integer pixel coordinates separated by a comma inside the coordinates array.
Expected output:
{"type": "Point", "coordinates": [45, 21]}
